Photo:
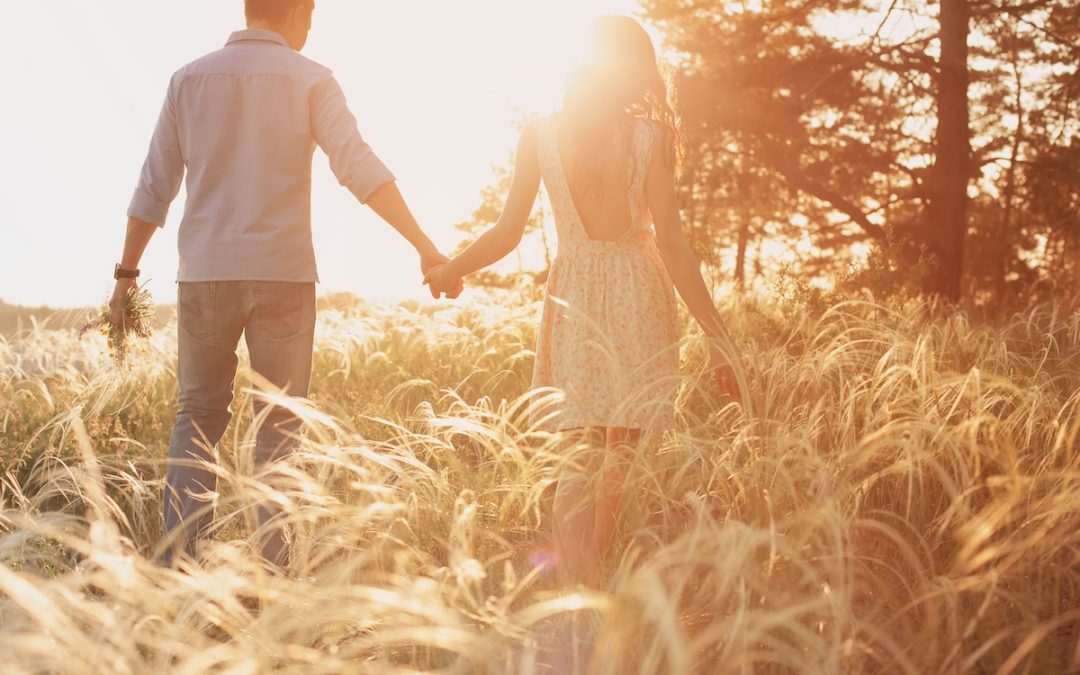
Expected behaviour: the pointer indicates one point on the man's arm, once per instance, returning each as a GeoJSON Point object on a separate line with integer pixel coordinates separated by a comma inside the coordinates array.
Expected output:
{"type": "Point", "coordinates": [390, 205]}
{"type": "Point", "coordinates": [138, 236]}
{"type": "Point", "coordinates": [358, 168]}
{"type": "Point", "coordinates": [159, 183]}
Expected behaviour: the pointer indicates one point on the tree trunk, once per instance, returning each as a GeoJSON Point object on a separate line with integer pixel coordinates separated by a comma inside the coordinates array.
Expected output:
{"type": "Point", "coordinates": [740, 254]}
{"type": "Point", "coordinates": [949, 201]}
{"type": "Point", "coordinates": [1004, 245]}
{"type": "Point", "coordinates": [743, 241]}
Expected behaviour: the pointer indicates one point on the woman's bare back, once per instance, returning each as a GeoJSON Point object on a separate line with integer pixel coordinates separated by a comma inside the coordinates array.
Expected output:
{"type": "Point", "coordinates": [603, 206]}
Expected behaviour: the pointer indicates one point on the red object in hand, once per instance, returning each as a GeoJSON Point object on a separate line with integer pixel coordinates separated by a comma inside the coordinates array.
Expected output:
{"type": "Point", "coordinates": [728, 383]}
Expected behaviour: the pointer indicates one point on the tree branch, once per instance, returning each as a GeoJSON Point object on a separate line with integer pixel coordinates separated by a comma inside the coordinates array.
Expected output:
{"type": "Point", "coordinates": [831, 197]}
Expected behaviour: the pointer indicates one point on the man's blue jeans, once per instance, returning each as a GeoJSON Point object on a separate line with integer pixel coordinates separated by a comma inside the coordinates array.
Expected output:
{"type": "Point", "coordinates": [277, 319]}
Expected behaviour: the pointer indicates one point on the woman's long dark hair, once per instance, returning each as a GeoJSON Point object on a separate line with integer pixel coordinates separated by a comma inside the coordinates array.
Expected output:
{"type": "Point", "coordinates": [646, 94]}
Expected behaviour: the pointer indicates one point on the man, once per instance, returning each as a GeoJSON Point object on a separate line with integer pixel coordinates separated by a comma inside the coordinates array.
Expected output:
{"type": "Point", "coordinates": [244, 122]}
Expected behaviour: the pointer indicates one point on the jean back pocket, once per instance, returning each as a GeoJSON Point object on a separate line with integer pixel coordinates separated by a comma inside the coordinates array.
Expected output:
{"type": "Point", "coordinates": [196, 308]}
{"type": "Point", "coordinates": [284, 311]}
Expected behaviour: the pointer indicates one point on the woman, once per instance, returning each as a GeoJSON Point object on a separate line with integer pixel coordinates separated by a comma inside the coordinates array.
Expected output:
{"type": "Point", "coordinates": [608, 340]}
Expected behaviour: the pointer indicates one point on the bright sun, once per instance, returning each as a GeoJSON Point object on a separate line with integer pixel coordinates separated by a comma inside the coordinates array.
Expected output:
{"type": "Point", "coordinates": [452, 80]}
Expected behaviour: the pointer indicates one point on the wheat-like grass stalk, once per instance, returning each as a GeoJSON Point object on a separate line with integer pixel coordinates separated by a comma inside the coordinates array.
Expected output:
{"type": "Point", "coordinates": [905, 498]}
{"type": "Point", "coordinates": [139, 315]}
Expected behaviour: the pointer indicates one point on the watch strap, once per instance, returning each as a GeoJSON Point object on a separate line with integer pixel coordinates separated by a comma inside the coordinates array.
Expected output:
{"type": "Point", "coordinates": [121, 273]}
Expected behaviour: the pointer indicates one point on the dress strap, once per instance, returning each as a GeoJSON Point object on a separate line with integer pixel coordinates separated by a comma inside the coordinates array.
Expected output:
{"type": "Point", "coordinates": [644, 141]}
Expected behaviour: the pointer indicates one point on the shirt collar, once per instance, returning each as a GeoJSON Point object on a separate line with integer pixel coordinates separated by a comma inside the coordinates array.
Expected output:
{"type": "Point", "coordinates": [257, 35]}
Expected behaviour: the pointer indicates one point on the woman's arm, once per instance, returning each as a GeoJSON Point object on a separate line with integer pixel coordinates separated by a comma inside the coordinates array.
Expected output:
{"type": "Point", "coordinates": [504, 237]}
{"type": "Point", "coordinates": [685, 270]}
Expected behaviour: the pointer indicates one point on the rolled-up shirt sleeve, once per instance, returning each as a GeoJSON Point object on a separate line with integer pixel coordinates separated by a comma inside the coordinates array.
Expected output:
{"type": "Point", "coordinates": [163, 171]}
{"type": "Point", "coordinates": [352, 160]}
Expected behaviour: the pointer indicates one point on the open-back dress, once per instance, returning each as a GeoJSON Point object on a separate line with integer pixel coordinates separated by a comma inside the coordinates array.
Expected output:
{"type": "Point", "coordinates": [609, 336]}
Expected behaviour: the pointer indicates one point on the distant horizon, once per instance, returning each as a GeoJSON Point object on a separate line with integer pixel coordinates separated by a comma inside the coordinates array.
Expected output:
{"type": "Point", "coordinates": [320, 294]}
{"type": "Point", "coordinates": [17, 317]}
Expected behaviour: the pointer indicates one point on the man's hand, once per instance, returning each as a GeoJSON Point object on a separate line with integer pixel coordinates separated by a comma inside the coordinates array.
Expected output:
{"type": "Point", "coordinates": [138, 236]}
{"type": "Point", "coordinates": [433, 262]}
{"type": "Point", "coordinates": [429, 260]}
{"type": "Point", "coordinates": [118, 302]}
{"type": "Point", "coordinates": [391, 207]}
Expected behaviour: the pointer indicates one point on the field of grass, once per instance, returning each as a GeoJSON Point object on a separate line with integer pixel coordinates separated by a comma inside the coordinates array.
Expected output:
{"type": "Point", "coordinates": [902, 496]}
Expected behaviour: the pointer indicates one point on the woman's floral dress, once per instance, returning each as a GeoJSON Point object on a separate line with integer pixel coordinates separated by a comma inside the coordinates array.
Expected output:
{"type": "Point", "coordinates": [607, 353]}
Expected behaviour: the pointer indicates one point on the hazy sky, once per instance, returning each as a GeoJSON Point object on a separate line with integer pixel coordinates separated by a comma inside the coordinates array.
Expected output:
{"type": "Point", "coordinates": [434, 84]}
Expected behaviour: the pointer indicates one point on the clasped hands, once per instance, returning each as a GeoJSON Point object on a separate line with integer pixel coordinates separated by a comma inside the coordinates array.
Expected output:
{"type": "Point", "coordinates": [438, 281]}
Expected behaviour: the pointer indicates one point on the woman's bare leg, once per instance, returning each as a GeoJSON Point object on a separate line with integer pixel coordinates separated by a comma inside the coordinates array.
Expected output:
{"type": "Point", "coordinates": [615, 469]}
{"type": "Point", "coordinates": [620, 444]}
{"type": "Point", "coordinates": [573, 507]}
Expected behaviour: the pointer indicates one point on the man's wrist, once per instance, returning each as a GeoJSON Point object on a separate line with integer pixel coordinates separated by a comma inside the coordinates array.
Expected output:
{"type": "Point", "coordinates": [121, 272]}
{"type": "Point", "coordinates": [428, 249]}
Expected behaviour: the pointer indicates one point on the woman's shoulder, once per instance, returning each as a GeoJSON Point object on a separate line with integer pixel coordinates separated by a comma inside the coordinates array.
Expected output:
{"type": "Point", "coordinates": [530, 140]}
{"type": "Point", "coordinates": [537, 125]}
{"type": "Point", "coordinates": [530, 132]}
{"type": "Point", "coordinates": [660, 139]}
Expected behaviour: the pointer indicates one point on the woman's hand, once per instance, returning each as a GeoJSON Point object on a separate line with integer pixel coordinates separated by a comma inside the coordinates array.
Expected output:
{"type": "Point", "coordinates": [724, 373]}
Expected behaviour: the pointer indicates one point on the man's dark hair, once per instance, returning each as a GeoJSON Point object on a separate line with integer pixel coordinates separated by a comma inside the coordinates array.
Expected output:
{"type": "Point", "coordinates": [273, 10]}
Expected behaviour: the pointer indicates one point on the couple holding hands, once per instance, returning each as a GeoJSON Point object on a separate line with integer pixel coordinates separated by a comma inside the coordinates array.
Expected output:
{"type": "Point", "coordinates": [242, 123]}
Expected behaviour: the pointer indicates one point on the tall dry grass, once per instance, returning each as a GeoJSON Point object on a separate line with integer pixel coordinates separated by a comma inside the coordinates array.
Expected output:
{"type": "Point", "coordinates": [905, 498]}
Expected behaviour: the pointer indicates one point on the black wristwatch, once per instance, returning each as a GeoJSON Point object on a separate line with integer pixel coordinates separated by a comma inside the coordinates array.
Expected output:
{"type": "Point", "coordinates": [121, 273]}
